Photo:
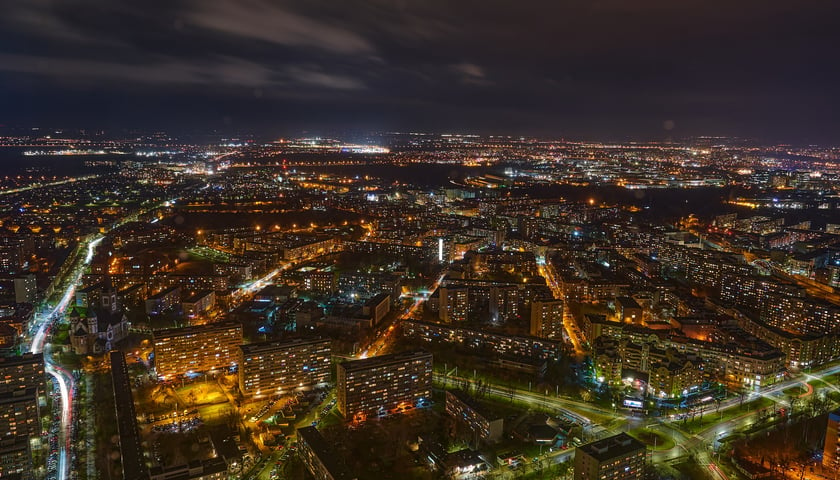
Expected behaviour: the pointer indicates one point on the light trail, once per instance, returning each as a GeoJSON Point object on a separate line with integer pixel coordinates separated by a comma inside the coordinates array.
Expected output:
{"type": "Point", "coordinates": [50, 184]}
{"type": "Point", "coordinates": [65, 386]}
{"type": "Point", "coordinates": [63, 379]}
{"type": "Point", "coordinates": [40, 337]}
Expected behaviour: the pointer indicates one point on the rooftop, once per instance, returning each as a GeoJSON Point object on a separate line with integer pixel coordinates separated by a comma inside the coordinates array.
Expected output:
{"type": "Point", "coordinates": [325, 453]}
{"type": "Point", "coordinates": [382, 360]}
{"type": "Point", "coordinates": [192, 330]}
{"type": "Point", "coordinates": [272, 345]}
{"type": "Point", "coordinates": [612, 447]}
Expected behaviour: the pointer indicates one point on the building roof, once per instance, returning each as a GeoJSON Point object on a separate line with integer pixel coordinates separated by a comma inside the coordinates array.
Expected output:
{"type": "Point", "coordinates": [131, 451]}
{"type": "Point", "coordinates": [25, 359]}
{"type": "Point", "coordinates": [612, 447]}
{"type": "Point", "coordinates": [542, 432]}
{"type": "Point", "coordinates": [381, 360]}
{"type": "Point", "coordinates": [325, 453]}
{"type": "Point", "coordinates": [199, 296]}
{"type": "Point", "coordinates": [273, 345]}
{"type": "Point", "coordinates": [377, 299]}
{"type": "Point", "coordinates": [194, 329]}
{"type": "Point", "coordinates": [628, 302]}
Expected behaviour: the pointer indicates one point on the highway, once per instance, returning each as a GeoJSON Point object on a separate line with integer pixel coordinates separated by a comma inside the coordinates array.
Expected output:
{"type": "Point", "coordinates": [684, 443]}
{"type": "Point", "coordinates": [698, 443]}
{"type": "Point", "coordinates": [63, 379]}
{"type": "Point", "coordinates": [36, 186]}
{"type": "Point", "coordinates": [40, 330]}
{"type": "Point", "coordinates": [538, 400]}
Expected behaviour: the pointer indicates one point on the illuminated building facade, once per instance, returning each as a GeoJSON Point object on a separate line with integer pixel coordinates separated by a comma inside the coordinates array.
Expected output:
{"type": "Point", "coordinates": [501, 344]}
{"type": "Point", "coordinates": [487, 428]}
{"type": "Point", "coordinates": [15, 457]}
{"type": "Point", "coordinates": [267, 368]}
{"type": "Point", "coordinates": [547, 319]}
{"type": "Point", "coordinates": [454, 304]}
{"type": "Point", "coordinates": [376, 385]}
{"type": "Point", "coordinates": [19, 414]}
{"type": "Point", "coordinates": [181, 351]}
{"type": "Point", "coordinates": [620, 457]}
{"type": "Point", "coordinates": [22, 372]}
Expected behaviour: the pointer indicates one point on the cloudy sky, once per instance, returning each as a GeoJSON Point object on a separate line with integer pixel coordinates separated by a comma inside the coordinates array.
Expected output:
{"type": "Point", "coordinates": [645, 69]}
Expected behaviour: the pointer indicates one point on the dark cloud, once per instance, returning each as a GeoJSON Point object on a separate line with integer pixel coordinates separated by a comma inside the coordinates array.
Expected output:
{"type": "Point", "coordinates": [265, 21]}
{"type": "Point", "coordinates": [564, 67]}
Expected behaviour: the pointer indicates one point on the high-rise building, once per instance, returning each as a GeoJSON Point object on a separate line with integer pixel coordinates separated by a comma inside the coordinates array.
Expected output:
{"type": "Point", "coordinates": [21, 381]}
{"type": "Point", "coordinates": [267, 368]}
{"type": "Point", "coordinates": [15, 252]}
{"type": "Point", "coordinates": [831, 450]}
{"type": "Point", "coordinates": [454, 304]}
{"type": "Point", "coordinates": [16, 458]}
{"type": "Point", "coordinates": [547, 319]}
{"type": "Point", "coordinates": [374, 386]}
{"type": "Point", "coordinates": [620, 457]}
{"type": "Point", "coordinates": [182, 351]}
{"type": "Point", "coordinates": [131, 451]}
{"type": "Point", "coordinates": [19, 414]}
{"type": "Point", "coordinates": [21, 372]}
{"type": "Point", "coordinates": [319, 457]}
{"type": "Point", "coordinates": [522, 346]}
{"type": "Point", "coordinates": [26, 290]}
{"type": "Point", "coordinates": [485, 424]}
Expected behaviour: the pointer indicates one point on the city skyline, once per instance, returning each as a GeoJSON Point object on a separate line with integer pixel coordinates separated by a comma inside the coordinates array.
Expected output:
{"type": "Point", "coordinates": [421, 240]}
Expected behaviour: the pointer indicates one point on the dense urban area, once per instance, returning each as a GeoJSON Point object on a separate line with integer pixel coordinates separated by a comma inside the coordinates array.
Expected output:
{"type": "Point", "coordinates": [417, 306]}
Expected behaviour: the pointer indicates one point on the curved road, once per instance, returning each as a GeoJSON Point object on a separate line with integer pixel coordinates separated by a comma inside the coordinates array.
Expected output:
{"type": "Point", "coordinates": [63, 378]}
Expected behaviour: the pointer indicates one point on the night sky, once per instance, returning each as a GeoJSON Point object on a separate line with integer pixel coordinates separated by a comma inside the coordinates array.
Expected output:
{"type": "Point", "coordinates": [607, 69]}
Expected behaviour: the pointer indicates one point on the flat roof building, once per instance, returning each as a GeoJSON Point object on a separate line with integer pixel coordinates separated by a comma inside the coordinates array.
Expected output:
{"type": "Point", "coordinates": [19, 413]}
{"type": "Point", "coordinates": [209, 469]}
{"type": "Point", "coordinates": [198, 304]}
{"type": "Point", "coordinates": [267, 368]}
{"type": "Point", "coordinates": [21, 372]}
{"type": "Point", "coordinates": [374, 386]}
{"type": "Point", "coordinates": [180, 351]}
{"type": "Point", "coordinates": [131, 451]}
{"type": "Point", "coordinates": [547, 319]}
{"type": "Point", "coordinates": [319, 457]}
{"type": "Point", "coordinates": [16, 458]}
{"type": "Point", "coordinates": [486, 425]}
{"type": "Point", "coordinates": [620, 457]}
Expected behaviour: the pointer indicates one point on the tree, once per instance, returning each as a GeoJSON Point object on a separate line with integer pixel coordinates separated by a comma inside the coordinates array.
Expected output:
{"type": "Point", "coordinates": [742, 394]}
{"type": "Point", "coordinates": [793, 400]}
{"type": "Point", "coordinates": [563, 468]}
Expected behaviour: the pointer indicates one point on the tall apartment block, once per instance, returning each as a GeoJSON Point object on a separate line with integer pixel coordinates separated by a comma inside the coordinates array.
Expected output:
{"type": "Point", "coordinates": [22, 372]}
{"type": "Point", "coordinates": [547, 319]}
{"type": "Point", "coordinates": [319, 457]}
{"type": "Point", "coordinates": [22, 380]}
{"type": "Point", "coordinates": [181, 351]}
{"type": "Point", "coordinates": [16, 458]}
{"type": "Point", "coordinates": [19, 413]}
{"type": "Point", "coordinates": [831, 451]}
{"type": "Point", "coordinates": [620, 457]}
{"type": "Point", "coordinates": [131, 451]}
{"type": "Point", "coordinates": [268, 368]}
{"type": "Point", "coordinates": [374, 386]}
